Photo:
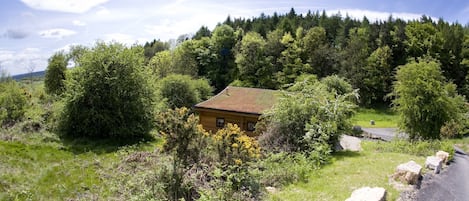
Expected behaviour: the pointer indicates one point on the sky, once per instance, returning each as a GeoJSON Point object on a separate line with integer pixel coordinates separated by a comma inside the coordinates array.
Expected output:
{"type": "Point", "coordinates": [32, 30]}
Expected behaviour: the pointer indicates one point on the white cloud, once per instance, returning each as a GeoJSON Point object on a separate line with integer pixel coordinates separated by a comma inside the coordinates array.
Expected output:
{"type": "Point", "coordinates": [103, 12]}
{"type": "Point", "coordinates": [56, 33]}
{"type": "Point", "coordinates": [17, 62]}
{"type": "Point", "coordinates": [66, 48]}
{"type": "Point", "coordinates": [120, 37]}
{"type": "Point", "coordinates": [374, 15]}
{"type": "Point", "coordinates": [78, 23]}
{"type": "Point", "coordinates": [70, 6]}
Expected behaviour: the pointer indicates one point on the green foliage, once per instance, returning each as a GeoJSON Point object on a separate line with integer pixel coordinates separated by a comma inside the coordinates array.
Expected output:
{"type": "Point", "coordinates": [377, 82]}
{"type": "Point", "coordinates": [283, 168]}
{"type": "Point", "coordinates": [223, 69]}
{"type": "Point", "coordinates": [424, 101]}
{"type": "Point", "coordinates": [55, 74]}
{"type": "Point", "coordinates": [423, 39]}
{"type": "Point", "coordinates": [418, 148]}
{"type": "Point", "coordinates": [183, 59]}
{"type": "Point", "coordinates": [337, 85]}
{"type": "Point", "coordinates": [202, 32]}
{"type": "Point", "coordinates": [317, 52]}
{"type": "Point", "coordinates": [13, 102]}
{"type": "Point", "coordinates": [254, 67]}
{"type": "Point", "coordinates": [108, 95]}
{"type": "Point", "coordinates": [183, 91]}
{"type": "Point", "coordinates": [155, 46]}
{"type": "Point", "coordinates": [161, 64]}
{"type": "Point", "coordinates": [179, 128]}
{"type": "Point", "coordinates": [308, 118]}
{"type": "Point", "coordinates": [292, 64]}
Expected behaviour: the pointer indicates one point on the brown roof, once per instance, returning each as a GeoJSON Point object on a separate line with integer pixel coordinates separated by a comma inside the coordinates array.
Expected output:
{"type": "Point", "coordinates": [241, 99]}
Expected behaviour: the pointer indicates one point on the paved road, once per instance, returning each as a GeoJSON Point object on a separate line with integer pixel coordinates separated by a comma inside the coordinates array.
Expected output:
{"type": "Point", "coordinates": [451, 185]}
{"type": "Point", "coordinates": [384, 133]}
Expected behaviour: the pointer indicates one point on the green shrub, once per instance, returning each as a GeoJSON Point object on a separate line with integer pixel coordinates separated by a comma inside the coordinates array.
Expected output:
{"type": "Point", "coordinates": [424, 101]}
{"type": "Point", "coordinates": [108, 96]}
{"type": "Point", "coordinates": [13, 102]}
{"type": "Point", "coordinates": [183, 91]}
{"type": "Point", "coordinates": [55, 74]}
{"type": "Point", "coordinates": [307, 117]}
{"type": "Point", "coordinates": [284, 168]}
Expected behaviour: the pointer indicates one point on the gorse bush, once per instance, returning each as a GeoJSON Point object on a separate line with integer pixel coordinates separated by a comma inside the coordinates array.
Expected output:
{"type": "Point", "coordinates": [205, 165]}
{"type": "Point", "coordinates": [108, 95]}
{"type": "Point", "coordinates": [234, 146]}
{"type": "Point", "coordinates": [182, 134]}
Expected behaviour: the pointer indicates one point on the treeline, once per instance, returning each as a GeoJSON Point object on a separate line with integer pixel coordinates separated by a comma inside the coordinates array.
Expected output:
{"type": "Point", "coordinates": [272, 51]}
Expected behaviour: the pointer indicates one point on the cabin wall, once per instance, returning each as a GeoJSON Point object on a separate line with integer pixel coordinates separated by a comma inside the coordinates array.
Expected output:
{"type": "Point", "coordinates": [208, 120]}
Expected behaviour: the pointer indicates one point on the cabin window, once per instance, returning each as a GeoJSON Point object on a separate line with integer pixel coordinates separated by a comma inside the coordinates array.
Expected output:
{"type": "Point", "coordinates": [251, 126]}
{"type": "Point", "coordinates": [220, 122]}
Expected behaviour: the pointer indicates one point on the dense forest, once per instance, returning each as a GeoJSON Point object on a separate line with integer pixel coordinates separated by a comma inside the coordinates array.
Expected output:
{"type": "Point", "coordinates": [272, 51]}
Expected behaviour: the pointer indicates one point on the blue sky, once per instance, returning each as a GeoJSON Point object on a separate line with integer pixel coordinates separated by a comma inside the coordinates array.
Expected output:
{"type": "Point", "coordinates": [32, 30]}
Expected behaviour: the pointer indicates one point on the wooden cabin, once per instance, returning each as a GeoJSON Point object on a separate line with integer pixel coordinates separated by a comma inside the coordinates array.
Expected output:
{"type": "Point", "coordinates": [237, 105]}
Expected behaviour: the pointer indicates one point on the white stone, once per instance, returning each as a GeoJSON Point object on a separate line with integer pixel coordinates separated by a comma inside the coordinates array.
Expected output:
{"type": "Point", "coordinates": [434, 163]}
{"type": "Point", "coordinates": [408, 172]}
{"type": "Point", "coordinates": [368, 194]}
{"type": "Point", "coordinates": [270, 189]}
{"type": "Point", "coordinates": [443, 155]}
{"type": "Point", "coordinates": [350, 143]}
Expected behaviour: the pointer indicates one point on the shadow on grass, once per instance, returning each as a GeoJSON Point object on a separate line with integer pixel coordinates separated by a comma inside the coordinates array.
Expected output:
{"type": "Point", "coordinates": [102, 145]}
{"type": "Point", "coordinates": [340, 155]}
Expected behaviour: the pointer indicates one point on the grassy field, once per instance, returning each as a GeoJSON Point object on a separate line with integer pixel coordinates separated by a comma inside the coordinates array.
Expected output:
{"type": "Point", "coordinates": [348, 171]}
{"type": "Point", "coordinates": [52, 171]}
{"type": "Point", "coordinates": [383, 117]}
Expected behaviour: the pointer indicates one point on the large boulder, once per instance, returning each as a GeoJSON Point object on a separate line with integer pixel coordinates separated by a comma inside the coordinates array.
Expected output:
{"type": "Point", "coordinates": [349, 143]}
{"type": "Point", "coordinates": [443, 155]}
{"type": "Point", "coordinates": [408, 173]}
{"type": "Point", "coordinates": [434, 163]}
{"type": "Point", "coordinates": [368, 194]}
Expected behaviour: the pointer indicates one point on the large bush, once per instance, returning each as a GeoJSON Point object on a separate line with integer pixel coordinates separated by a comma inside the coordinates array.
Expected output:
{"type": "Point", "coordinates": [309, 117]}
{"type": "Point", "coordinates": [108, 95]}
{"type": "Point", "coordinates": [425, 101]}
{"type": "Point", "coordinates": [13, 102]}
{"type": "Point", "coordinates": [183, 91]}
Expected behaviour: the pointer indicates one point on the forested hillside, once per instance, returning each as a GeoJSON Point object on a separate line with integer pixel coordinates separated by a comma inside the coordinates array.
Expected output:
{"type": "Point", "coordinates": [272, 51]}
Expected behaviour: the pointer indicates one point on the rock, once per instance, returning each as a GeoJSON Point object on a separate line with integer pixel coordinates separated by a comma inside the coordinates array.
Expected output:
{"type": "Point", "coordinates": [357, 129]}
{"type": "Point", "coordinates": [368, 194]}
{"type": "Point", "coordinates": [372, 122]}
{"type": "Point", "coordinates": [270, 189]}
{"type": "Point", "coordinates": [350, 143]}
{"type": "Point", "coordinates": [443, 155]}
{"type": "Point", "coordinates": [434, 163]}
{"type": "Point", "coordinates": [408, 173]}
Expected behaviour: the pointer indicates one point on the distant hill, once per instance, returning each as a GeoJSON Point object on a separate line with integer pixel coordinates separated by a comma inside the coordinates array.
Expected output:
{"type": "Point", "coordinates": [37, 74]}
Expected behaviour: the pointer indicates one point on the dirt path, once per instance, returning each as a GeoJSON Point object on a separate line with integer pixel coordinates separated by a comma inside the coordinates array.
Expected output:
{"type": "Point", "coordinates": [450, 185]}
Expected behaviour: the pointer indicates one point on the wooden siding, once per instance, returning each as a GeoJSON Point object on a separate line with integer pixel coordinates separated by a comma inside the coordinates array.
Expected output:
{"type": "Point", "coordinates": [208, 118]}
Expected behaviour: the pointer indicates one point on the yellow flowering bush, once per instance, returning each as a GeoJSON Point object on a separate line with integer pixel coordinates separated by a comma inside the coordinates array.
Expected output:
{"type": "Point", "coordinates": [234, 146]}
